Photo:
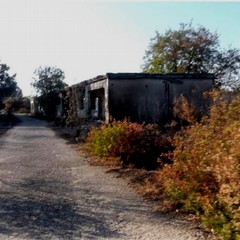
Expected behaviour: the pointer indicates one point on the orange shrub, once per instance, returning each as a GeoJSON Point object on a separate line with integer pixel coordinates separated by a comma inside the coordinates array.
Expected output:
{"type": "Point", "coordinates": [137, 144]}
{"type": "Point", "coordinates": [205, 175]}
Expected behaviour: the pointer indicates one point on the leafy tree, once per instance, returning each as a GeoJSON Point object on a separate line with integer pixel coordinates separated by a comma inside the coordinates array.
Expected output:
{"type": "Point", "coordinates": [48, 79]}
{"type": "Point", "coordinates": [190, 50]}
{"type": "Point", "coordinates": [8, 84]}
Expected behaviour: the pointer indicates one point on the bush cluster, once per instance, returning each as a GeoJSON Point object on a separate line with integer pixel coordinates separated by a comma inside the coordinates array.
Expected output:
{"type": "Point", "coordinates": [205, 175]}
{"type": "Point", "coordinates": [136, 144]}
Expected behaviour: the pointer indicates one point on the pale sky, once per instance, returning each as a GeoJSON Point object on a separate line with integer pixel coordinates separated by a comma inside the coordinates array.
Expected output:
{"type": "Point", "coordinates": [90, 38]}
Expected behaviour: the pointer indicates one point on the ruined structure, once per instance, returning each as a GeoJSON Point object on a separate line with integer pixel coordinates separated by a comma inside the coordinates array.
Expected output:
{"type": "Point", "coordinates": [141, 97]}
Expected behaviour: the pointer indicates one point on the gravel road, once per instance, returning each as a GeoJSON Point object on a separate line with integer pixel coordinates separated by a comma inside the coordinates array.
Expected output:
{"type": "Point", "coordinates": [48, 192]}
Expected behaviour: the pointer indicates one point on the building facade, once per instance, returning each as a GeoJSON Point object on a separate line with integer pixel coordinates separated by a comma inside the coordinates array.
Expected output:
{"type": "Point", "coordinates": [140, 97]}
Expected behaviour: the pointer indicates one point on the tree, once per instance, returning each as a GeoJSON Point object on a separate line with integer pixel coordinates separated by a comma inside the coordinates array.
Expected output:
{"type": "Point", "coordinates": [48, 79]}
{"type": "Point", "coordinates": [8, 84]}
{"type": "Point", "coordinates": [190, 50]}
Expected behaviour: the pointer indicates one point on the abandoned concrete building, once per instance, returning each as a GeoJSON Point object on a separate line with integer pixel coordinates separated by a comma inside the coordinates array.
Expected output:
{"type": "Point", "coordinates": [140, 97]}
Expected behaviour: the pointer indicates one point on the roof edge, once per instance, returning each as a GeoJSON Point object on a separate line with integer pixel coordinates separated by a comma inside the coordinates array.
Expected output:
{"type": "Point", "coordinates": [170, 76]}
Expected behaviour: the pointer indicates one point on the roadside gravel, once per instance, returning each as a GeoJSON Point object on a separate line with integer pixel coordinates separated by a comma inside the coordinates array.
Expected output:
{"type": "Point", "coordinates": [48, 192]}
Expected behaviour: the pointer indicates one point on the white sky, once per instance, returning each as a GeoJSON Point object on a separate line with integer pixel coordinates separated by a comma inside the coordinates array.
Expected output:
{"type": "Point", "coordinates": [80, 38]}
{"type": "Point", "coordinates": [86, 39]}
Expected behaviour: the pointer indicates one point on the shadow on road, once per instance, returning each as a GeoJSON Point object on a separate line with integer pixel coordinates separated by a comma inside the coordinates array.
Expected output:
{"type": "Point", "coordinates": [35, 216]}
{"type": "Point", "coordinates": [25, 120]}
{"type": "Point", "coordinates": [7, 122]}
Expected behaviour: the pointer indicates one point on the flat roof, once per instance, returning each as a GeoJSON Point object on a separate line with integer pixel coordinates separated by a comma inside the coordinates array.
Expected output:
{"type": "Point", "coordinates": [167, 76]}
{"type": "Point", "coordinates": [175, 77]}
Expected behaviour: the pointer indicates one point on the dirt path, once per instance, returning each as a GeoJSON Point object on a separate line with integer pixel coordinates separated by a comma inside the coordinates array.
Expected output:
{"type": "Point", "coordinates": [48, 192]}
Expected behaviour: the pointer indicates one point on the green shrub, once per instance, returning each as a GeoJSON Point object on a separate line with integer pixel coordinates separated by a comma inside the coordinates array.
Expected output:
{"type": "Point", "coordinates": [137, 144]}
{"type": "Point", "coordinates": [103, 141]}
{"type": "Point", "coordinates": [205, 175]}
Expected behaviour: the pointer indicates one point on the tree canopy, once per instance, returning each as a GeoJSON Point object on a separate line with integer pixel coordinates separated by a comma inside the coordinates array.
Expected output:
{"type": "Point", "coordinates": [8, 84]}
{"type": "Point", "coordinates": [47, 79]}
{"type": "Point", "coordinates": [192, 50]}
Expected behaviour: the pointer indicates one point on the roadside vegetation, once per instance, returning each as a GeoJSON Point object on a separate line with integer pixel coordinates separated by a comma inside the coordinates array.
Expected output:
{"type": "Point", "coordinates": [197, 167]}
{"type": "Point", "coordinates": [205, 175]}
{"type": "Point", "coordinates": [140, 145]}
{"type": "Point", "coordinates": [11, 98]}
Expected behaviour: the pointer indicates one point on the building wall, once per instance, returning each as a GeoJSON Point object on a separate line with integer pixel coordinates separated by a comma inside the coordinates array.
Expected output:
{"type": "Point", "coordinates": [192, 90]}
{"type": "Point", "coordinates": [86, 100]}
{"type": "Point", "coordinates": [151, 99]}
{"type": "Point", "coordinates": [73, 101]}
{"type": "Point", "coordinates": [137, 96]}
{"type": "Point", "coordinates": [137, 99]}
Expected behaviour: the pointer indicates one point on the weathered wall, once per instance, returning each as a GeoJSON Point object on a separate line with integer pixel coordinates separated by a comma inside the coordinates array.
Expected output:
{"type": "Point", "coordinates": [140, 97]}
{"type": "Point", "coordinates": [150, 97]}
{"type": "Point", "coordinates": [192, 90]}
{"type": "Point", "coordinates": [73, 103]}
{"type": "Point", "coordinates": [137, 99]}
{"type": "Point", "coordinates": [86, 100]}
